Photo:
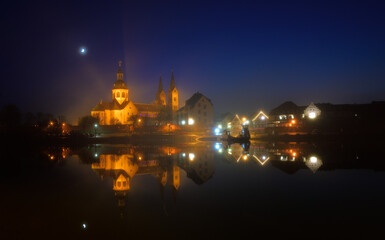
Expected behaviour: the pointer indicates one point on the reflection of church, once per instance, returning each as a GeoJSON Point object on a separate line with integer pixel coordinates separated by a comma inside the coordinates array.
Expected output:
{"type": "Point", "coordinates": [122, 108]}
{"type": "Point", "coordinates": [164, 164]}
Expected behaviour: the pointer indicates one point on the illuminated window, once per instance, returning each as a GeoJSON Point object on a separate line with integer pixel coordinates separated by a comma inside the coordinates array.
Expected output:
{"type": "Point", "coordinates": [118, 94]}
{"type": "Point", "coordinates": [123, 94]}
{"type": "Point", "coordinates": [174, 99]}
{"type": "Point", "coordinates": [119, 184]}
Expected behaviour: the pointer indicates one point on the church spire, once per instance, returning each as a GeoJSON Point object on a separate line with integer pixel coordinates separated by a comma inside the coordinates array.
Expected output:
{"type": "Point", "coordinates": [172, 83]}
{"type": "Point", "coordinates": [160, 86]}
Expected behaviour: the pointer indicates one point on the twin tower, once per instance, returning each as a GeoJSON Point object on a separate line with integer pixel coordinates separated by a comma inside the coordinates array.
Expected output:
{"type": "Point", "coordinates": [120, 92]}
{"type": "Point", "coordinates": [172, 94]}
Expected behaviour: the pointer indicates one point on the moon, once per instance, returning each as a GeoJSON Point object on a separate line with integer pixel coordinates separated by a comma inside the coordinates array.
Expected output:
{"type": "Point", "coordinates": [83, 50]}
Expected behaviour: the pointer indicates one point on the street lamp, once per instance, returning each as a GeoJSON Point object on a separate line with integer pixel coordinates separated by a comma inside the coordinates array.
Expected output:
{"type": "Point", "coordinates": [95, 127]}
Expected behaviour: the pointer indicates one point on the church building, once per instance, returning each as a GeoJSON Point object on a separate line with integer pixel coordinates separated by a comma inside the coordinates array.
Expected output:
{"type": "Point", "coordinates": [122, 108]}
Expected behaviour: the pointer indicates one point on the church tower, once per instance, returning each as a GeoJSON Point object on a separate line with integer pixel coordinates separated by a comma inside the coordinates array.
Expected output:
{"type": "Point", "coordinates": [160, 94]}
{"type": "Point", "coordinates": [120, 90]}
{"type": "Point", "coordinates": [172, 95]}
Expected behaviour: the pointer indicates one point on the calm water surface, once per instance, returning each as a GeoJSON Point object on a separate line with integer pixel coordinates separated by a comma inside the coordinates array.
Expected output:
{"type": "Point", "coordinates": [195, 191]}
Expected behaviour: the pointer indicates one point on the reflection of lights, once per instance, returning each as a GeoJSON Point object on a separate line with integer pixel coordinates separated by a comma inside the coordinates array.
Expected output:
{"type": "Point", "coordinates": [183, 154]}
{"type": "Point", "coordinates": [217, 131]}
{"type": "Point", "coordinates": [191, 156]}
{"type": "Point", "coordinates": [191, 121]}
{"type": "Point", "coordinates": [247, 122]}
{"type": "Point", "coordinates": [220, 150]}
{"type": "Point", "coordinates": [312, 115]}
{"type": "Point", "coordinates": [313, 159]}
{"type": "Point", "coordinates": [217, 146]}
{"type": "Point", "coordinates": [96, 154]}
{"type": "Point", "coordinates": [264, 159]}
{"type": "Point", "coordinates": [183, 122]}
{"type": "Point", "coordinates": [95, 125]}
{"type": "Point", "coordinates": [229, 151]}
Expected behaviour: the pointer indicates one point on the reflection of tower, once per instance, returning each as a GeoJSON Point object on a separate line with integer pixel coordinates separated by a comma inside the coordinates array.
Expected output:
{"type": "Point", "coordinates": [174, 180]}
{"type": "Point", "coordinates": [160, 94]}
{"type": "Point", "coordinates": [172, 95]}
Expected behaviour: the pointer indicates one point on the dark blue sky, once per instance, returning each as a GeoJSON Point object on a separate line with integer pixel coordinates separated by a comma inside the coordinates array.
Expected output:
{"type": "Point", "coordinates": [243, 55]}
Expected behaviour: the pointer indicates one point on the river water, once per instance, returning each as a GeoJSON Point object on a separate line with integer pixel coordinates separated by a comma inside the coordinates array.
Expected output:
{"type": "Point", "coordinates": [193, 191]}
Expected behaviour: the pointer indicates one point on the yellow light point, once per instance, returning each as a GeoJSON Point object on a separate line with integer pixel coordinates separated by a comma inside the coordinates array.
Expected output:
{"type": "Point", "coordinates": [293, 121]}
{"type": "Point", "coordinates": [244, 119]}
{"type": "Point", "coordinates": [52, 157]}
{"type": "Point", "coordinates": [63, 124]}
{"type": "Point", "coordinates": [139, 120]}
{"type": "Point", "coordinates": [51, 123]}
{"type": "Point", "coordinates": [140, 158]}
{"type": "Point", "coordinates": [191, 156]}
{"type": "Point", "coordinates": [294, 154]}
{"type": "Point", "coordinates": [245, 157]}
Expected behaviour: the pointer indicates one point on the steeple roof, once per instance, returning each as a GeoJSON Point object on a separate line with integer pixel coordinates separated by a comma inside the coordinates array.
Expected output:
{"type": "Point", "coordinates": [172, 83]}
{"type": "Point", "coordinates": [160, 86]}
{"type": "Point", "coordinates": [120, 84]}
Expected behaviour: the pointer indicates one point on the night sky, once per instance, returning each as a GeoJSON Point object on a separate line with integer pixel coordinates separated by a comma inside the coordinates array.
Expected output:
{"type": "Point", "coordinates": [244, 56]}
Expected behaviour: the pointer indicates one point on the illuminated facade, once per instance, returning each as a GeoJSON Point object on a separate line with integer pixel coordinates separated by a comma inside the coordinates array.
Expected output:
{"type": "Point", "coordinates": [122, 108]}
{"type": "Point", "coordinates": [198, 109]}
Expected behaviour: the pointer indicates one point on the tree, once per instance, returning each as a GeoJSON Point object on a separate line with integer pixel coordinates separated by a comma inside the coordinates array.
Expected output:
{"type": "Point", "coordinates": [87, 123]}
{"type": "Point", "coordinates": [10, 116]}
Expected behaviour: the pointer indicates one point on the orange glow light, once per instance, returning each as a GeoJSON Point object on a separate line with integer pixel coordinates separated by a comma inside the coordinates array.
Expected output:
{"type": "Point", "coordinates": [293, 121]}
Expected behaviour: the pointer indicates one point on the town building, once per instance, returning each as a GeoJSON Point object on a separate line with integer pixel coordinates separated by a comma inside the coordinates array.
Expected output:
{"type": "Point", "coordinates": [198, 110]}
{"type": "Point", "coordinates": [122, 109]}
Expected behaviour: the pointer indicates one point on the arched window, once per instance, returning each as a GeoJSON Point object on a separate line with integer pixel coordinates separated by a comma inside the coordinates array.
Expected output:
{"type": "Point", "coordinates": [123, 94]}
{"type": "Point", "coordinates": [118, 94]}
{"type": "Point", "coordinates": [174, 99]}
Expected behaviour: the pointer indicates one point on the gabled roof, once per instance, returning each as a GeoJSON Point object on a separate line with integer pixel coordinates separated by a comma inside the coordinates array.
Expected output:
{"type": "Point", "coordinates": [286, 108]}
{"type": "Point", "coordinates": [195, 98]}
{"type": "Point", "coordinates": [114, 105]}
{"type": "Point", "coordinates": [143, 107]}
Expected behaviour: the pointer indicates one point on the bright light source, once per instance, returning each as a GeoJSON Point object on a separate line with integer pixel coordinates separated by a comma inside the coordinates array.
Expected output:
{"type": "Point", "coordinates": [220, 150]}
{"type": "Point", "coordinates": [217, 131]}
{"type": "Point", "coordinates": [293, 121]}
{"type": "Point", "coordinates": [220, 126]}
{"type": "Point", "coordinates": [217, 146]}
{"type": "Point", "coordinates": [312, 115]}
{"type": "Point", "coordinates": [264, 157]}
{"type": "Point", "coordinates": [313, 159]}
{"type": "Point", "coordinates": [140, 158]}
{"type": "Point", "coordinates": [191, 156]}
{"type": "Point", "coordinates": [244, 119]}
{"type": "Point", "coordinates": [183, 154]}
{"type": "Point", "coordinates": [244, 157]}
{"type": "Point", "coordinates": [183, 122]}
{"type": "Point", "coordinates": [84, 226]}
{"type": "Point", "coordinates": [96, 154]}
{"type": "Point", "coordinates": [191, 121]}
{"type": "Point", "coordinates": [263, 117]}
{"type": "Point", "coordinates": [95, 125]}
{"type": "Point", "coordinates": [247, 122]}
{"type": "Point", "coordinates": [139, 120]}
{"type": "Point", "coordinates": [294, 153]}
{"type": "Point", "coordinates": [83, 50]}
